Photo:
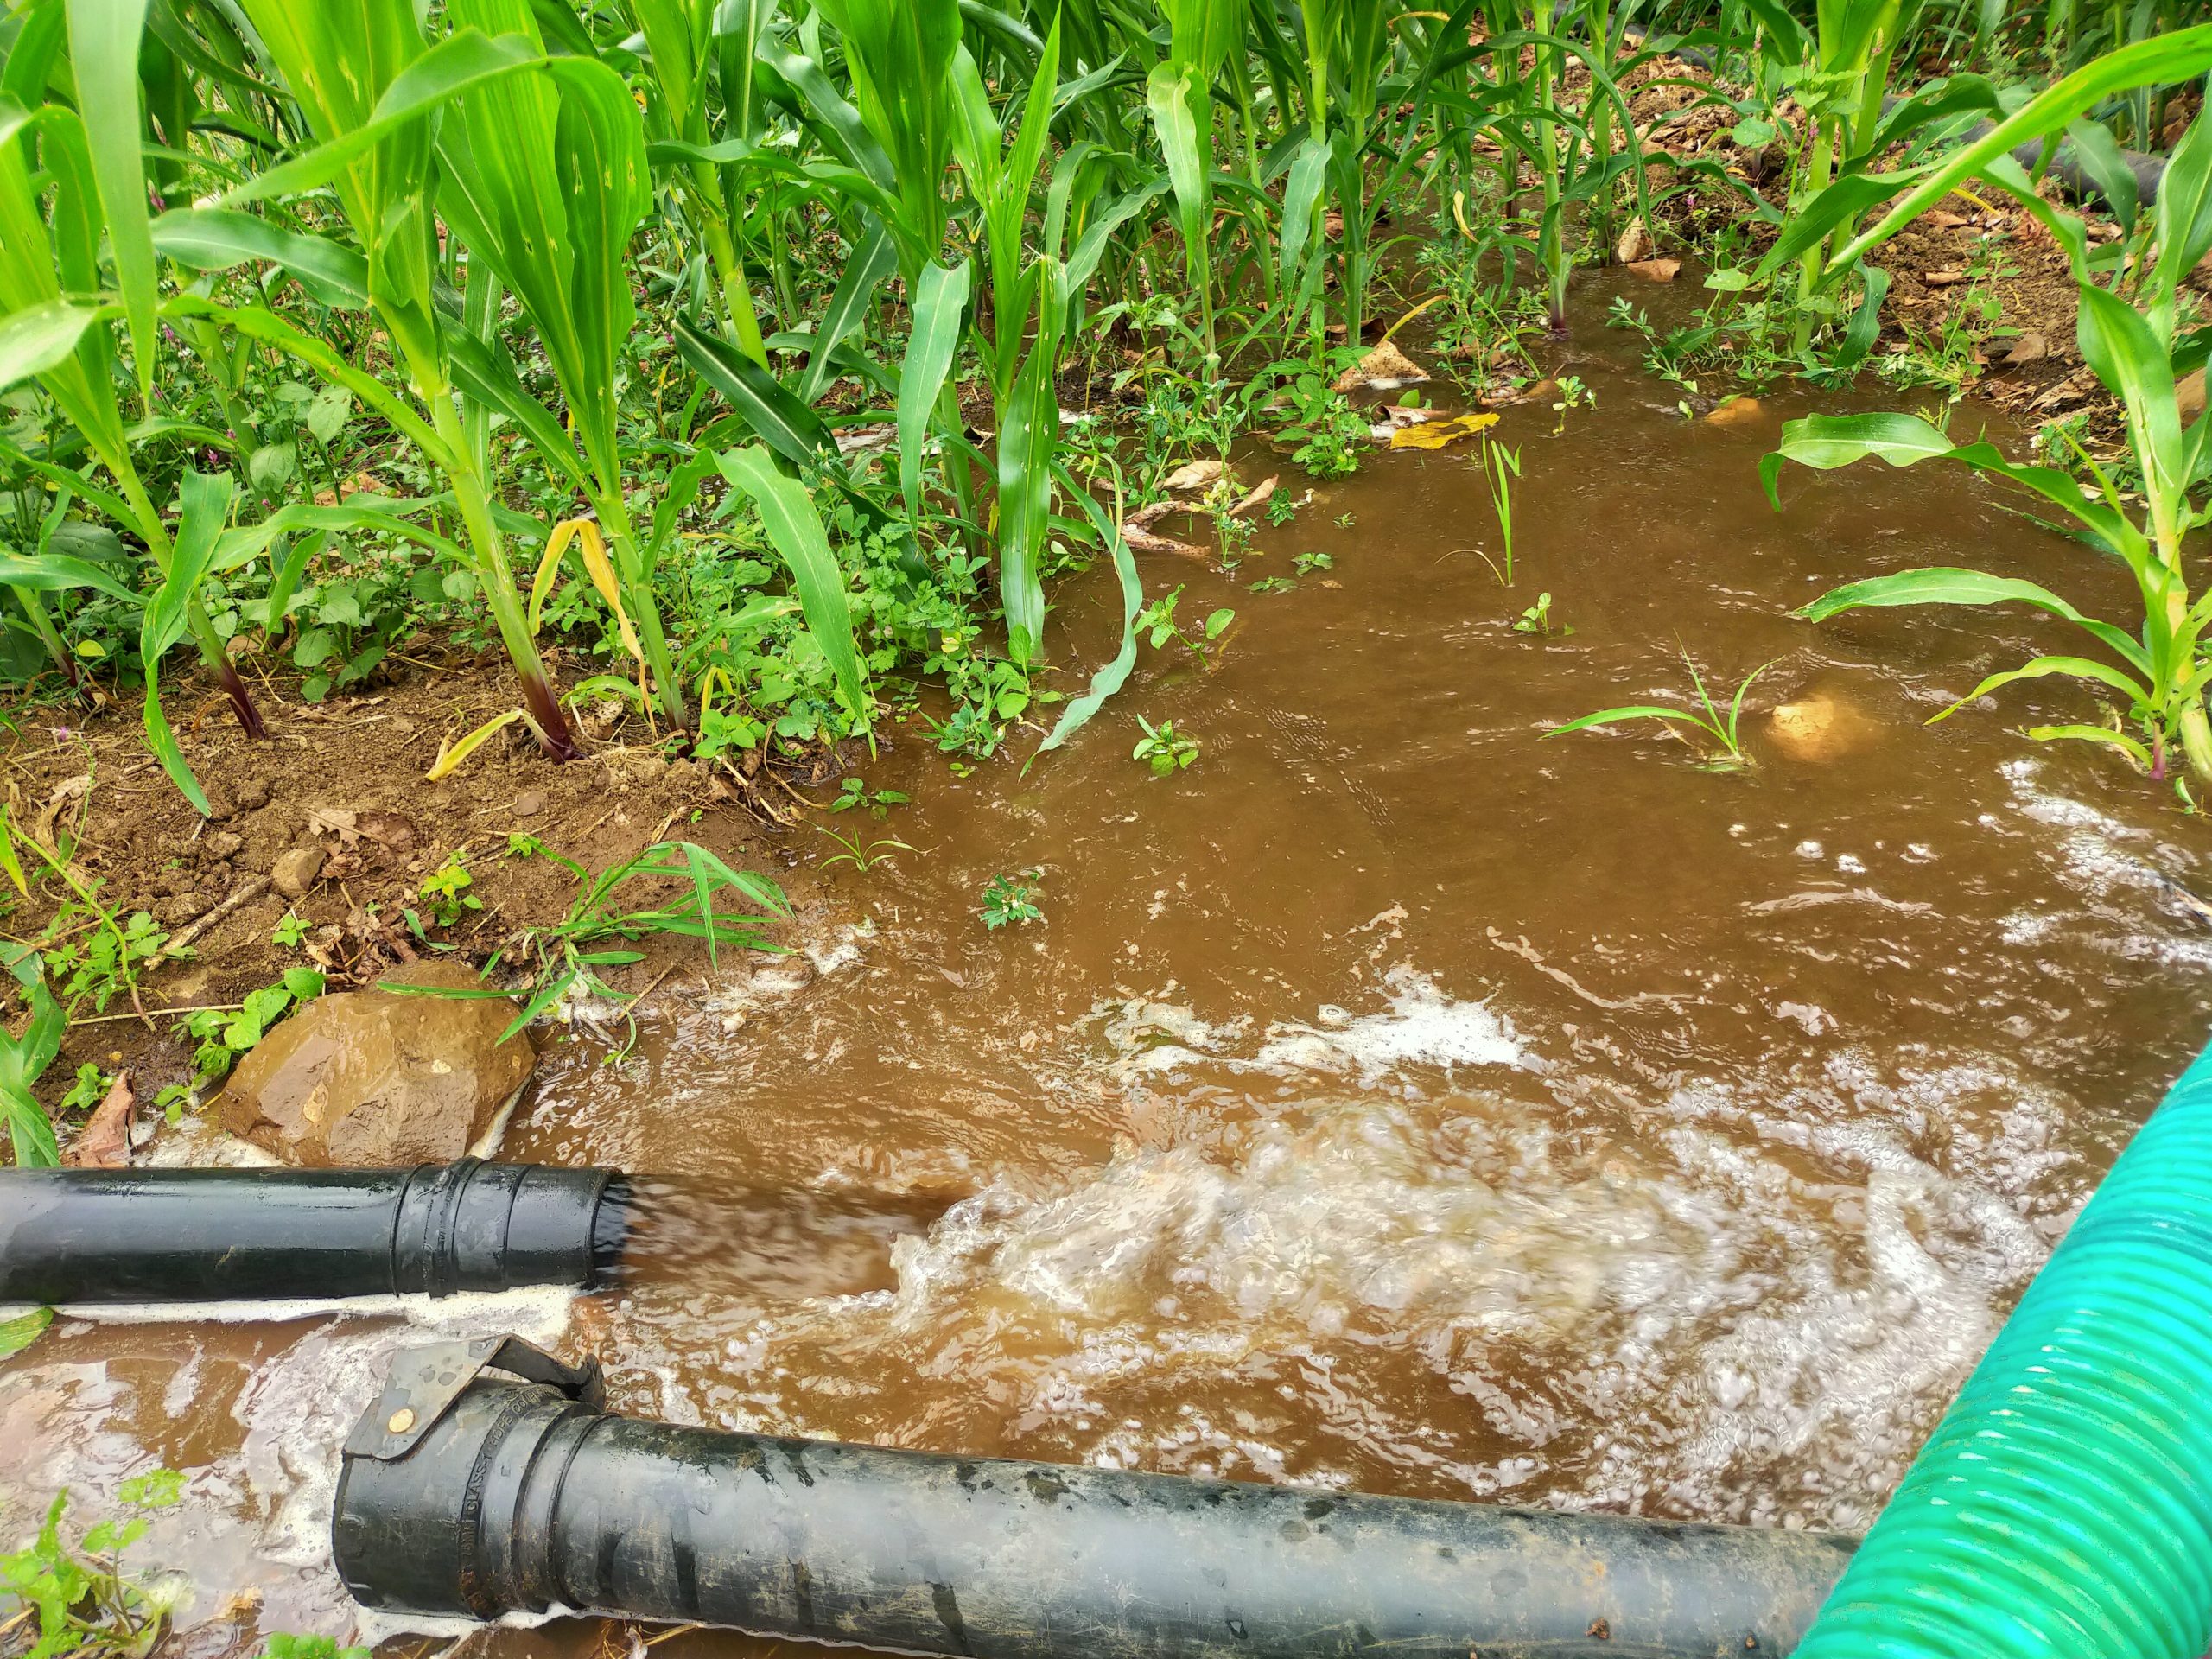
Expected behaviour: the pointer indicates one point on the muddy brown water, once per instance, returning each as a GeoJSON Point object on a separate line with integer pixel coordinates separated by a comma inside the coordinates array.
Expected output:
{"type": "Point", "coordinates": [1398, 1100]}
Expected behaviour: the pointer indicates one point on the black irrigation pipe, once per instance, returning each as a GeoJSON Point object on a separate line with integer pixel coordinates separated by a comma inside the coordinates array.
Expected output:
{"type": "Point", "coordinates": [199, 1234]}
{"type": "Point", "coordinates": [470, 1494]}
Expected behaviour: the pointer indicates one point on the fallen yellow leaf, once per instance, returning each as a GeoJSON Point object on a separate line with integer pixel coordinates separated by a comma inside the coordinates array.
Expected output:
{"type": "Point", "coordinates": [1434, 435]}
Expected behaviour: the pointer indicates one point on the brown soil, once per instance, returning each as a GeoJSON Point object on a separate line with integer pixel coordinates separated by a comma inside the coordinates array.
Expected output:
{"type": "Point", "coordinates": [348, 777]}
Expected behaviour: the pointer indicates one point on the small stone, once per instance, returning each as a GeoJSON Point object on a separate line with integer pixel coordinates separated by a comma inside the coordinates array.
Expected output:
{"type": "Point", "coordinates": [2027, 348]}
{"type": "Point", "coordinates": [295, 870]}
{"type": "Point", "coordinates": [1820, 727]}
{"type": "Point", "coordinates": [253, 794]}
{"type": "Point", "coordinates": [1736, 411]}
{"type": "Point", "coordinates": [224, 844]}
{"type": "Point", "coordinates": [370, 1077]}
{"type": "Point", "coordinates": [529, 805]}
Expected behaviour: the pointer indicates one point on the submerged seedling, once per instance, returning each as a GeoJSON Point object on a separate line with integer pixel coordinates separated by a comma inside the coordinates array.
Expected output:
{"type": "Point", "coordinates": [862, 858]}
{"type": "Point", "coordinates": [1013, 899]}
{"type": "Point", "coordinates": [1500, 467]}
{"type": "Point", "coordinates": [1537, 619]}
{"type": "Point", "coordinates": [1163, 749]}
{"type": "Point", "coordinates": [1707, 719]}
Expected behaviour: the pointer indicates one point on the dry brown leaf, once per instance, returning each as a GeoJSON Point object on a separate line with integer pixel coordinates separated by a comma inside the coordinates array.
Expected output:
{"type": "Point", "coordinates": [1635, 245]}
{"type": "Point", "coordinates": [335, 820]}
{"type": "Point", "coordinates": [1384, 369]}
{"type": "Point", "coordinates": [1942, 218]}
{"type": "Point", "coordinates": [1657, 270]}
{"type": "Point", "coordinates": [105, 1142]}
{"type": "Point", "coordinates": [1260, 492]}
{"type": "Point", "coordinates": [1948, 278]}
{"type": "Point", "coordinates": [1142, 540]}
{"type": "Point", "coordinates": [1193, 477]}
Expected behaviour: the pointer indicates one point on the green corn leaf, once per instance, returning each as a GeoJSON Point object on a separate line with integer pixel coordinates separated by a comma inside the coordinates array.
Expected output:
{"type": "Point", "coordinates": [2135, 366]}
{"type": "Point", "coordinates": [784, 424]}
{"type": "Point", "coordinates": [2075, 668]}
{"type": "Point", "coordinates": [1114, 674]}
{"type": "Point", "coordinates": [1948, 585]}
{"type": "Point", "coordinates": [2183, 211]}
{"type": "Point", "coordinates": [104, 39]}
{"type": "Point", "coordinates": [940, 300]}
{"type": "Point", "coordinates": [218, 239]}
{"type": "Point", "coordinates": [875, 258]}
{"type": "Point", "coordinates": [57, 572]}
{"type": "Point", "coordinates": [796, 529]}
{"type": "Point", "coordinates": [206, 506]}
{"type": "Point", "coordinates": [2126, 745]}
{"type": "Point", "coordinates": [42, 337]}
{"type": "Point", "coordinates": [1029, 439]}
{"type": "Point", "coordinates": [1635, 711]}
{"type": "Point", "coordinates": [18, 1333]}
{"type": "Point", "coordinates": [463, 61]}
{"type": "Point", "coordinates": [1301, 208]}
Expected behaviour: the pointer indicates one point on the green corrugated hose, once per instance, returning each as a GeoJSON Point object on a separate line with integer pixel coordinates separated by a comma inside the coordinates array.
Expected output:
{"type": "Point", "coordinates": [2064, 1506]}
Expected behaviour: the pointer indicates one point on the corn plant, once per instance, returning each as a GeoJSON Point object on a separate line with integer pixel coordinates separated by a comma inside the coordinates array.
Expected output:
{"type": "Point", "coordinates": [544, 178]}
{"type": "Point", "coordinates": [55, 326]}
{"type": "Point", "coordinates": [1179, 95]}
{"type": "Point", "coordinates": [370, 87]}
{"type": "Point", "coordinates": [2138, 354]}
{"type": "Point", "coordinates": [1720, 729]}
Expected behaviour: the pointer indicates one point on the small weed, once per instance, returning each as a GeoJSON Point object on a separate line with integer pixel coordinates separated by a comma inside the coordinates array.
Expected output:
{"type": "Point", "coordinates": [1573, 394]}
{"type": "Point", "coordinates": [89, 1089]}
{"type": "Point", "coordinates": [1157, 621]}
{"type": "Point", "coordinates": [1308, 564]}
{"type": "Point", "coordinates": [82, 1602]}
{"type": "Point", "coordinates": [225, 1037]}
{"type": "Point", "coordinates": [23, 1060]}
{"type": "Point", "coordinates": [1013, 899]}
{"type": "Point", "coordinates": [1274, 585]}
{"type": "Point", "coordinates": [290, 932]}
{"type": "Point", "coordinates": [1500, 467]}
{"type": "Point", "coordinates": [1282, 509]}
{"type": "Point", "coordinates": [862, 858]}
{"type": "Point", "coordinates": [1708, 720]}
{"type": "Point", "coordinates": [283, 1646]}
{"type": "Point", "coordinates": [878, 802]}
{"type": "Point", "coordinates": [1163, 749]}
{"type": "Point", "coordinates": [445, 892]}
{"type": "Point", "coordinates": [1537, 619]}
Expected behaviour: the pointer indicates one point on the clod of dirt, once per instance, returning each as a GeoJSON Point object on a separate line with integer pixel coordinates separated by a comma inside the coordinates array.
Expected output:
{"type": "Point", "coordinates": [2031, 347]}
{"type": "Point", "coordinates": [224, 844]}
{"type": "Point", "coordinates": [1821, 727]}
{"type": "Point", "coordinates": [379, 1079]}
{"type": "Point", "coordinates": [295, 869]}
{"type": "Point", "coordinates": [1384, 369]}
{"type": "Point", "coordinates": [528, 804]}
{"type": "Point", "coordinates": [1656, 270]}
{"type": "Point", "coordinates": [1736, 411]}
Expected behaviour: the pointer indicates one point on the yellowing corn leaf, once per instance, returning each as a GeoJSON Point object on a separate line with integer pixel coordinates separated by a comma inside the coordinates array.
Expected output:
{"type": "Point", "coordinates": [451, 756]}
{"type": "Point", "coordinates": [593, 549]}
{"type": "Point", "coordinates": [1434, 435]}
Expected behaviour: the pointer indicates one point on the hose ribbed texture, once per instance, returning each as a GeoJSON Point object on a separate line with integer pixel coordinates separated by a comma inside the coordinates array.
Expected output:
{"type": "Point", "coordinates": [2064, 1506]}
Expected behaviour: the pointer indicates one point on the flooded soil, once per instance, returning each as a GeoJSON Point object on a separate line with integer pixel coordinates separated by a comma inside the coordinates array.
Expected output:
{"type": "Point", "coordinates": [1399, 1099]}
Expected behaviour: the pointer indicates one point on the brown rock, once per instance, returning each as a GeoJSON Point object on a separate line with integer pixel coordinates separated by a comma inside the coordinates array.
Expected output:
{"type": "Point", "coordinates": [295, 870]}
{"type": "Point", "coordinates": [379, 1079]}
{"type": "Point", "coordinates": [253, 794]}
{"type": "Point", "coordinates": [1820, 727]}
{"type": "Point", "coordinates": [1736, 411]}
{"type": "Point", "coordinates": [2030, 348]}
